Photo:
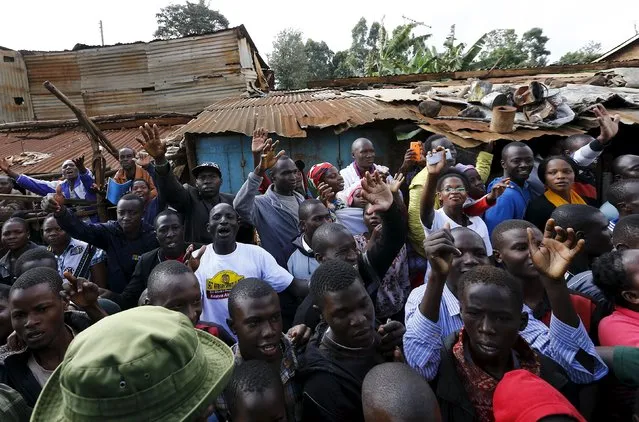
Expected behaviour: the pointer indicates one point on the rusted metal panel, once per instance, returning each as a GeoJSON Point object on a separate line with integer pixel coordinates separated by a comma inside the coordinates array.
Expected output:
{"type": "Point", "coordinates": [288, 114]}
{"type": "Point", "coordinates": [114, 68]}
{"type": "Point", "coordinates": [15, 101]}
{"type": "Point", "coordinates": [64, 143]}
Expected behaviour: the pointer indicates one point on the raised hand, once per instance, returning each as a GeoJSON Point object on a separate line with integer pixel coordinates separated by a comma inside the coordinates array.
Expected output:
{"type": "Point", "coordinates": [498, 189]}
{"type": "Point", "coordinates": [376, 192]}
{"type": "Point", "coordinates": [299, 334]}
{"type": "Point", "coordinates": [436, 168]}
{"type": "Point", "coordinates": [398, 179]}
{"type": "Point", "coordinates": [80, 291]}
{"type": "Point", "coordinates": [192, 260]}
{"type": "Point", "coordinates": [79, 163]}
{"type": "Point", "coordinates": [557, 250]}
{"type": "Point", "coordinates": [440, 250]}
{"type": "Point", "coordinates": [268, 157]}
{"type": "Point", "coordinates": [152, 142]}
{"type": "Point", "coordinates": [53, 203]}
{"type": "Point", "coordinates": [144, 159]}
{"type": "Point", "coordinates": [375, 236]}
{"type": "Point", "coordinates": [326, 193]}
{"type": "Point", "coordinates": [258, 143]}
{"type": "Point", "coordinates": [6, 167]}
{"type": "Point", "coordinates": [608, 125]}
{"type": "Point", "coordinates": [391, 336]}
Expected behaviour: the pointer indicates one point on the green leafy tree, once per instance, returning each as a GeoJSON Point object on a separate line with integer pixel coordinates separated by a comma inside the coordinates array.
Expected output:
{"type": "Point", "coordinates": [394, 53]}
{"type": "Point", "coordinates": [504, 49]}
{"type": "Point", "coordinates": [289, 60]}
{"type": "Point", "coordinates": [586, 54]}
{"type": "Point", "coordinates": [320, 60]}
{"type": "Point", "coordinates": [176, 20]}
{"type": "Point", "coordinates": [341, 67]}
{"type": "Point", "coordinates": [534, 44]}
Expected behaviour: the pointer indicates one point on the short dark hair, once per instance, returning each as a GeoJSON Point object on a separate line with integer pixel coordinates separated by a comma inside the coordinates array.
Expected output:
{"type": "Point", "coordinates": [133, 197]}
{"type": "Point", "coordinates": [141, 180]}
{"type": "Point", "coordinates": [331, 276]}
{"type": "Point", "coordinates": [37, 276]}
{"type": "Point", "coordinates": [626, 230]}
{"type": "Point", "coordinates": [251, 376]}
{"type": "Point", "coordinates": [18, 220]}
{"type": "Point", "coordinates": [163, 273]}
{"type": "Point", "coordinates": [575, 216]}
{"type": "Point", "coordinates": [487, 274]}
{"type": "Point", "coordinates": [4, 291]}
{"type": "Point", "coordinates": [510, 145]}
{"type": "Point", "coordinates": [306, 207]}
{"type": "Point", "coordinates": [541, 170]}
{"type": "Point", "coordinates": [428, 142]}
{"type": "Point", "coordinates": [620, 190]}
{"type": "Point", "coordinates": [452, 172]}
{"type": "Point", "coordinates": [392, 385]}
{"type": "Point", "coordinates": [609, 274]}
{"type": "Point", "coordinates": [248, 288]}
{"type": "Point", "coordinates": [34, 254]}
{"type": "Point", "coordinates": [565, 143]}
{"type": "Point", "coordinates": [166, 213]}
{"type": "Point", "coordinates": [321, 237]}
{"type": "Point", "coordinates": [497, 236]}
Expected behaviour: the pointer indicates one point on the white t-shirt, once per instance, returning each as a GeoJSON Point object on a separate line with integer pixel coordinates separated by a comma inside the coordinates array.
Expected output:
{"type": "Point", "coordinates": [476, 224]}
{"type": "Point", "coordinates": [218, 274]}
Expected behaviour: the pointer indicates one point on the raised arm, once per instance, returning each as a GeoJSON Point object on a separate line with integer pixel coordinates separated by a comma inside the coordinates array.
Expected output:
{"type": "Point", "coordinates": [39, 187]}
{"type": "Point", "coordinates": [84, 174]}
{"type": "Point", "coordinates": [608, 129]}
{"type": "Point", "coordinates": [427, 203]}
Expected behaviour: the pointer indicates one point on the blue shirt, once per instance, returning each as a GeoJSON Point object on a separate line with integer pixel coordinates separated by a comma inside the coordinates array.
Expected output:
{"type": "Point", "coordinates": [423, 340]}
{"type": "Point", "coordinates": [510, 205]}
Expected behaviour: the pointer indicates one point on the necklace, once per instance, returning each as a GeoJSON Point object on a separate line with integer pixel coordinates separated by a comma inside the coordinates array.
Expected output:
{"type": "Point", "coordinates": [328, 337]}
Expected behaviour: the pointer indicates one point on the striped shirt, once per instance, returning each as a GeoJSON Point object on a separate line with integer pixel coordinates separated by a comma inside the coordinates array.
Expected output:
{"type": "Point", "coordinates": [423, 339]}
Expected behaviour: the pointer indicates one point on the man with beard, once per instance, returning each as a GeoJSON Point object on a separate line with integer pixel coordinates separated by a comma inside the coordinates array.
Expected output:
{"type": "Point", "coordinates": [517, 160]}
{"type": "Point", "coordinates": [193, 202]}
{"type": "Point", "coordinates": [124, 240]}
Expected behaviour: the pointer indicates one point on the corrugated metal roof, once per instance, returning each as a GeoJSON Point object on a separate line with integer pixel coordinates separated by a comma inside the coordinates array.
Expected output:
{"type": "Point", "coordinates": [391, 94]}
{"type": "Point", "coordinates": [64, 143]}
{"type": "Point", "coordinates": [289, 113]}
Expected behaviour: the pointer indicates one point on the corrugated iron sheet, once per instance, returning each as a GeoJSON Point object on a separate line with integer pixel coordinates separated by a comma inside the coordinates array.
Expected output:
{"type": "Point", "coordinates": [14, 85]}
{"type": "Point", "coordinates": [391, 94]}
{"type": "Point", "coordinates": [179, 75]}
{"type": "Point", "coordinates": [289, 114]}
{"type": "Point", "coordinates": [64, 143]}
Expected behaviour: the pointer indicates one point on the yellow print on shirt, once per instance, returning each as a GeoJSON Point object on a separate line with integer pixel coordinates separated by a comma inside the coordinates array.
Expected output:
{"type": "Point", "coordinates": [219, 286]}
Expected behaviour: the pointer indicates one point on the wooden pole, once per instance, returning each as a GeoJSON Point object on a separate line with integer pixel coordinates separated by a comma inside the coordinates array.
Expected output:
{"type": "Point", "coordinates": [91, 128]}
{"type": "Point", "coordinates": [36, 198]}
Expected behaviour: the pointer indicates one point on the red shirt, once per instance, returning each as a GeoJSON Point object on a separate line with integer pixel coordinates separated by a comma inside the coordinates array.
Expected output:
{"type": "Point", "coordinates": [584, 308]}
{"type": "Point", "coordinates": [621, 328]}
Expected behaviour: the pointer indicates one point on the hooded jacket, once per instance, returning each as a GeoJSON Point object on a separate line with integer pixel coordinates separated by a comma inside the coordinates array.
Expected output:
{"type": "Point", "coordinates": [122, 253]}
{"type": "Point", "coordinates": [301, 264]}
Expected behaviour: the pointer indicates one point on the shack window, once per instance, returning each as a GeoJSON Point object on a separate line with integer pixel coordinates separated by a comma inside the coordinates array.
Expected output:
{"type": "Point", "coordinates": [9, 59]}
{"type": "Point", "coordinates": [18, 100]}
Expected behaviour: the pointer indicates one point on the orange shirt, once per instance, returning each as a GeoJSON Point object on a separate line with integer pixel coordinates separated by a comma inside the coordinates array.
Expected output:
{"type": "Point", "coordinates": [140, 173]}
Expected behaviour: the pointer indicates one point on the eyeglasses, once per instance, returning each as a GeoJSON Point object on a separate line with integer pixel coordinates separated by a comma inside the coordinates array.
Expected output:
{"type": "Point", "coordinates": [451, 190]}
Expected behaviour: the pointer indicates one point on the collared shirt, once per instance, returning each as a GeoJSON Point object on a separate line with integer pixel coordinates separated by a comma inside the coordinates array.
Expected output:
{"type": "Point", "coordinates": [510, 205]}
{"type": "Point", "coordinates": [292, 389]}
{"type": "Point", "coordinates": [70, 258]}
{"type": "Point", "coordinates": [423, 340]}
{"type": "Point", "coordinates": [305, 246]}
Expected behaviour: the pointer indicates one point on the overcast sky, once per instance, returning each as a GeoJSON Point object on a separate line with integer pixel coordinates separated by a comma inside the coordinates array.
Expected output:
{"type": "Point", "coordinates": [60, 24]}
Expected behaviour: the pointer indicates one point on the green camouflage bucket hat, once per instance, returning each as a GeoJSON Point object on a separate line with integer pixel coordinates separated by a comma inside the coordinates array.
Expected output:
{"type": "Point", "coordinates": [144, 364]}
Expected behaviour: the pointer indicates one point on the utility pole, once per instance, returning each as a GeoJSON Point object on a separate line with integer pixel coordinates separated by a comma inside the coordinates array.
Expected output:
{"type": "Point", "coordinates": [102, 33]}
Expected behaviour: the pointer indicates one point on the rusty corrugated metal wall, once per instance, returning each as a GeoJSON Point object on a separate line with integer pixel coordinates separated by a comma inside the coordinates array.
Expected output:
{"type": "Point", "coordinates": [15, 103]}
{"type": "Point", "coordinates": [180, 75]}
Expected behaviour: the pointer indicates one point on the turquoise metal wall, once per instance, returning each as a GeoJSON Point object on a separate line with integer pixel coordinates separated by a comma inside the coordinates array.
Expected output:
{"type": "Point", "coordinates": [233, 152]}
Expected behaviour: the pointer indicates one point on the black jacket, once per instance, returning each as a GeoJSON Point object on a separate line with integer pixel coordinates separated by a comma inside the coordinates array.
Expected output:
{"type": "Point", "coordinates": [186, 200]}
{"type": "Point", "coordinates": [454, 403]}
{"type": "Point", "coordinates": [14, 370]}
{"type": "Point", "coordinates": [333, 382]}
{"type": "Point", "coordinates": [6, 272]}
{"type": "Point", "coordinates": [131, 293]}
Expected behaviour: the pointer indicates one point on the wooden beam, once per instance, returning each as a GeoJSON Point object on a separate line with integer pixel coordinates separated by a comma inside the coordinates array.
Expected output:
{"type": "Point", "coordinates": [35, 198]}
{"type": "Point", "coordinates": [495, 73]}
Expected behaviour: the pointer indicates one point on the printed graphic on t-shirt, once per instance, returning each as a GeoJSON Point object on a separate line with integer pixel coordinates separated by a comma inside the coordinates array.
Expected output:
{"type": "Point", "coordinates": [219, 286]}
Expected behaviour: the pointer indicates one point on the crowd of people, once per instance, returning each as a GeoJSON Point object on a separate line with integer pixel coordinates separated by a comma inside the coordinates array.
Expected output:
{"type": "Point", "coordinates": [432, 293]}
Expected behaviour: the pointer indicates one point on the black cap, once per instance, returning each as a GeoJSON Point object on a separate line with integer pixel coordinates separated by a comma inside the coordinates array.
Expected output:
{"type": "Point", "coordinates": [208, 165]}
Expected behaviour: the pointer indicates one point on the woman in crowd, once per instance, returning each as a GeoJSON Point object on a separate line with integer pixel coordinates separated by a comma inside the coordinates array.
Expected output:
{"type": "Point", "coordinates": [558, 175]}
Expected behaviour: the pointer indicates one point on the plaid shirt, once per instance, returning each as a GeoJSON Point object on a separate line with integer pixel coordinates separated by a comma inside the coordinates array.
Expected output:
{"type": "Point", "coordinates": [292, 389]}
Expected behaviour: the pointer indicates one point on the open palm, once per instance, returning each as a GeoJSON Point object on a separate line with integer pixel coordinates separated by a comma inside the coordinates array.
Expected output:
{"type": "Point", "coordinates": [555, 253]}
{"type": "Point", "coordinates": [376, 192]}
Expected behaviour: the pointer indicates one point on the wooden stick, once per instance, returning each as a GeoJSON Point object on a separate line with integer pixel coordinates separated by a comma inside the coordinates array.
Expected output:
{"type": "Point", "coordinates": [36, 198]}
{"type": "Point", "coordinates": [84, 120]}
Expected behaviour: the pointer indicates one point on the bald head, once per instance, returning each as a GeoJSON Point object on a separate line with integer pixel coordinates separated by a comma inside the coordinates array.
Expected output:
{"type": "Point", "coordinates": [126, 157]}
{"type": "Point", "coordinates": [326, 235]}
{"type": "Point", "coordinates": [363, 153]}
{"type": "Point", "coordinates": [393, 392]}
{"type": "Point", "coordinates": [626, 167]}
